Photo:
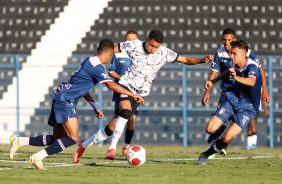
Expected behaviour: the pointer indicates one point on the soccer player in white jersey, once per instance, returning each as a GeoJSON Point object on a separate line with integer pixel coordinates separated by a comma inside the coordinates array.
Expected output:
{"type": "Point", "coordinates": [63, 116]}
{"type": "Point", "coordinates": [147, 57]}
{"type": "Point", "coordinates": [242, 99]}
{"type": "Point", "coordinates": [222, 60]}
{"type": "Point", "coordinates": [119, 65]}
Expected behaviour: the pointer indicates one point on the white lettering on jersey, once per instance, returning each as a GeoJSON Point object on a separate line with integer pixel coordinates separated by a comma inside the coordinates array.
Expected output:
{"type": "Point", "coordinates": [245, 118]}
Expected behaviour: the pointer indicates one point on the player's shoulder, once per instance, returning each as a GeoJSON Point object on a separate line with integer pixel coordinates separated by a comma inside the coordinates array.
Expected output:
{"type": "Point", "coordinates": [94, 60]}
{"type": "Point", "coordinates": [253, 61]}
{"type": "Point", "coordinates": [221, 52]}
{"type": "Point", "coordinates": [121, 55]}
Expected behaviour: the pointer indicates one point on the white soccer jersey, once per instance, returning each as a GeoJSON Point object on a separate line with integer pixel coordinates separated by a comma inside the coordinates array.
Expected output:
{"type": "Point", "coordinates": [143, 67]}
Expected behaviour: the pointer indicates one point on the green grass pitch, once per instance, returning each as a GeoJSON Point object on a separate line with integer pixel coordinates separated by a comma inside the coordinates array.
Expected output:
{"type": "Point", "coordinates": [164, 165]}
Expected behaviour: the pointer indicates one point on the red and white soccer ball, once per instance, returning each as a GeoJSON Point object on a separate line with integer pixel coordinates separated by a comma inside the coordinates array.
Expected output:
{"type": "Point", "coordinates": [136, 155]}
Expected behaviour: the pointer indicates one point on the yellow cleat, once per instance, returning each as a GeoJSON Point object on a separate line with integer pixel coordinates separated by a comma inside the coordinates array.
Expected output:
{"type": "Point", "coordinates": [15, 144]}
{"type": "Point", "coordinates": [36, 162]}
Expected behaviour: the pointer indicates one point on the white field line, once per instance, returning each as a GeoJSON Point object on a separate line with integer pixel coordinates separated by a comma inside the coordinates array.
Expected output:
{"type": "Point", "coordinates": [52, 164]}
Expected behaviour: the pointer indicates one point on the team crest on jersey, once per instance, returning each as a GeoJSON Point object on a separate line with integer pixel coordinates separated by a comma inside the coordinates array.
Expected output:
{"type": "Point", "coordinates": [74, 111]}
{"type": "Point", "coordinates": [123, 96]}
{"type": "Point", "coordinates": [105, 75]}
{"type": "Point", "coordinates": [222, 110]}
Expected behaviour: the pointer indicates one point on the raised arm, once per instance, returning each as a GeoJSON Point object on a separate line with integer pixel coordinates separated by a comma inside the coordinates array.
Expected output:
{"type": "Point", "coordinates": [194, 61]}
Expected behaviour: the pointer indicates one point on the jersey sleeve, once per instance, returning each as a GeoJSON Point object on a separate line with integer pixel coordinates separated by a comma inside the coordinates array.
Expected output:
{"type": "Point", "coordinates": [113, 66]}
{"type": "Point", "coordinates": [126, 46]}
{"type": "Point", "coordinates": [253, 70]}
{"type": "Point", "coordinates": [215, 64]}
{"type": "Point", "coordinates": [98, 71]}
{"type": "Point", "coordinates": [171, 56]}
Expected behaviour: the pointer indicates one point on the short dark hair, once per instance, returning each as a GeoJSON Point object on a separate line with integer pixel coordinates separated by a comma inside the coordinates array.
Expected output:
{"type": "Point", "coordinates": [241, 44]}
{"type": "Point", "coordinates": [104, 45]}
{"type": "Point", "coordinates": [156, 35]}
{"type": "Point", "coordinates": [228, 31]}
{"type": "Point", "coordinates": [131, 32]}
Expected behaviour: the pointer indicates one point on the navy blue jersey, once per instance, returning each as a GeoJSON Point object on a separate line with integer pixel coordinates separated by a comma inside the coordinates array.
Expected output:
{"type": "Point", "coordinates": [242, 96]}
{"type": "Point", "coordinates": [222, 61]}
{"type": "Point", "coordinates": [89, 73]}
{"type": "Point", "coordinates": [119, 63]}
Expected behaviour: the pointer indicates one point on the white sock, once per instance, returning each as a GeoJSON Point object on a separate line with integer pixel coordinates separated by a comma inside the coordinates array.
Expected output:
{"type": "Point", "coordinates": [41, 154]}
{"type": "Point", "coordinates": [119, 126]}
{"type": "Point", "coordinates": [99, 136]}
{"type": "Point", "coordinates": [254, 139]}
{"type": "Point", "coordinates": [249, 140]}
{"type": "Point", "coordinates": [126, 145]}
{"type": "Point", "coordinates": [24, 141]}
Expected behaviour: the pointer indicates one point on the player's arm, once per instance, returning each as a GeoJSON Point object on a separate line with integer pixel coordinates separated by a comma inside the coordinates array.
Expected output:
{"type": "Point", "coordinates": [209, 83]}
{"type": "Point", "coordinates": [114, 75]}
{"type": "Point", "coordinates": [249, 81]}
{"type": "Point", "coordinates": [266, 112]}
{"type": "Point", "coordinates": [194, 61]}
{"type": "Point", "coordinates": [264, 94]}
{"type": "Point", "coordinates": [206, 96]}
{"type": "Point", "coordinates": [117, 88]}
{"type": "Point", "coordinates": [89, 99]}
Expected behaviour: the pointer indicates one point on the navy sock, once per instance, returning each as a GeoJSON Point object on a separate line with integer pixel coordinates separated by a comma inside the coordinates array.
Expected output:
{"type": "Point", "coordinates": [59, 145]}
{"type": "Point", "coordinates": [128, 136]}
{"type": "Point", "coordinates": [216, 147]}
{"type": "Point", "coordinates": [41, 140]}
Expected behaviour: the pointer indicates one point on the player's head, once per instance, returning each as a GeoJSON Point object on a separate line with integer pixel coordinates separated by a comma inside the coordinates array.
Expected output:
{"type": "Point", "coordinates": [239, 51]}
{"type": "Point", "coordinates": [228, 36]}
{"type": "Point", "coordinates": [154, 41]}
{"type": "Point", "coordinates": [105, 48]}
{"type": "Point", "coordinates": [131, 35]}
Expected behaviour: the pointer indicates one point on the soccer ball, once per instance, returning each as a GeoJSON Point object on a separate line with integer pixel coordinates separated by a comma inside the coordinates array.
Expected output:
{"type": "Point", "coordinates": [136, 155]}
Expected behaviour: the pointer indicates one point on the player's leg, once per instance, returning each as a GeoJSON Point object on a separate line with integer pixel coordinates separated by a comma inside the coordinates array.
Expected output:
{"type": "Point", "coordinates": [221, 143]}
{"type": "Point", "coordinates": [42, 140]}
{"type": "Point", "coordinates": [125, 114]}
{"type": "Point", "coordinates": [97, 137]}
{"type": "Point", "coordinates": [215, 128]}
{"type": "Point", "coordinates": [129, 133]}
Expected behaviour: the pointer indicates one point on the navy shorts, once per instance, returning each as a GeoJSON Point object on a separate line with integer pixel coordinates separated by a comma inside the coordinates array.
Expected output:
{"type": "Point", "coordinates": [242, 117]}
{"type": "Point", "coordinates": [60, 112]}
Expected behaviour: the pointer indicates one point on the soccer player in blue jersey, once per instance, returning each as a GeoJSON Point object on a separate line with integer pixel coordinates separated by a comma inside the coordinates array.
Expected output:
{"type": "Point", "coordinates": [119, 65]}
{"type": "Point", "coordinates": [222, 60]}
{"type": "Point", "coordinates": [242, 98]}
{"type": "Point", "coordinates": [147, 57]}
{"type": "Point", "coordinates": [63, 116]}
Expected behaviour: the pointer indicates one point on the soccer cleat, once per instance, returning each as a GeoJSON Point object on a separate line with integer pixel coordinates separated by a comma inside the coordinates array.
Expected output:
{"type": "Point", "coordinates": [124, 151]}
{"type": "Point", "coordinates": [214, 136]}
{"type": "Point", "coordinates": [223, 152]}
{"type": "Point", "coordinates": [15, 144]}
{"type": "Point", "coordinates": [79, 152]}
{"type": "Point", "coordinates": [211, 156]}
{"type": "Point", "coordinates": [111, 154]}
{"type": "Point", "coordinates": [254, 146]}
{"type": "Point", "coordinates": [36, 162]}
{"type": "Point", "coordinates": [202, 159]}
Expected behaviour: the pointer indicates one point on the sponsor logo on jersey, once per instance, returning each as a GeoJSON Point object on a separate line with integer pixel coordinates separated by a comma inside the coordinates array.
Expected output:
{"type": "Point", "coordinates": [222, 110]}
{"type": "Point", "coordinates": [121, 61]}
{"type": "Point", "coordinates": [245, 118]}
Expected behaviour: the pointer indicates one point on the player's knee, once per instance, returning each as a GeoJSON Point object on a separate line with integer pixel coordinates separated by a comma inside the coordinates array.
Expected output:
{"type": "Point", "coordinates": [125, 113]}
{"type": "Point", "coordinates": [226, 138]}
{"type": "Point", "coordinates": [209, 130]}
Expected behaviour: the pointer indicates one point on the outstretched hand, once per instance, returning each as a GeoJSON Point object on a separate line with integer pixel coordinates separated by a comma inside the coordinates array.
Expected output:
{"type": "Point", "coordinates": [205, 99]}
{"type": "Point", "coordinates": [208, 84]}
{"type": "Point", "coordinates": [208, 58]}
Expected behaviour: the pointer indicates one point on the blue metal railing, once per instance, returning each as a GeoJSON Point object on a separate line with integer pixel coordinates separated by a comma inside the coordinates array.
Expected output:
{"type": "Point", "coordinates": [184, 109]}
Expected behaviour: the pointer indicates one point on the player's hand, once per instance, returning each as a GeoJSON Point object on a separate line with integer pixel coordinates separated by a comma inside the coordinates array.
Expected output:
{"type": "Point", "coordinates": [265, 96]}
{"type": "Point", "coordinates": [232, 73]}
{"type": "Point", "coordinates": [208, 84]}
{"type": "Point", "coordinates": [208, 58]}
{"type": "Point", "coordinates": [139, 99]}
{"type": "Point", "coordinates": [205, 99]}
{"type": "Point", "coordinates": [99, 113]}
